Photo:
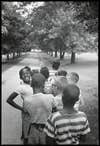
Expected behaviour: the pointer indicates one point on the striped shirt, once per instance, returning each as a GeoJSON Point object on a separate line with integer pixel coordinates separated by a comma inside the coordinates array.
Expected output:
{"type": "Point", "coordinates": [67, 128]}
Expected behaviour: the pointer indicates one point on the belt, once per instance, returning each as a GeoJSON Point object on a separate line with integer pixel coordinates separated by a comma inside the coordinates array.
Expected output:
{"type": "Point", "coordinates": [40, 127]}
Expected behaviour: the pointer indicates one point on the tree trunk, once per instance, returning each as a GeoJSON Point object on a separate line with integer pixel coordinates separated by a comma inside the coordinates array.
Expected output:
{"type": "Point", "coordinates": [51, 53]}
{"type": "Point", "coordinates": [19, 54]}
{"type": "Point", "coordinates": [55, 53]}
{"type": "Point", "coordinates": [60, 54]}
{"type": "Point", "coordinates": [73, 57]}
{"type": "Point", "coordinates": [62, 57]}
{"type": "Point", "coordinates": [13, 55]}
{"type": "Point", "coordinates": [7, 56]}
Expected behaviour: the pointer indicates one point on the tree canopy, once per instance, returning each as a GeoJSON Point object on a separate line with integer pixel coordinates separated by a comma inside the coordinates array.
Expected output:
{"type": "Point", "coordinates": [75, 24]}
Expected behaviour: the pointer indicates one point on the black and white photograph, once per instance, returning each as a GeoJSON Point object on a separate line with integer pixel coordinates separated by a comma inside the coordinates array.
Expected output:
{"type": "Point", "coordinates": [49, 77]}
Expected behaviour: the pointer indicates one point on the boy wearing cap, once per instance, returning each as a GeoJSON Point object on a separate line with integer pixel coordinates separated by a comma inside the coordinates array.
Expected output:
{"type": "Point", "coordinates": [39, 107]}
{"type": "Point", "coordinates": [67, 126]}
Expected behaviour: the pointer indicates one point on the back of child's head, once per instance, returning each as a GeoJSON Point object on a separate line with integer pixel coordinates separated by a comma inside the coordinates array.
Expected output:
{"type": "Point", "coordinates": [45, 72]}
{"type": "Point", "coordinates": [56, 64]}
{"type": "Point", "coordinates": [33, 71]}
{"type": "Point", "coordinates": [28, 68]}
{"type": "Point", "coordinates": [70, 95]}
{"type": "Point", "coordinates": [38, 80]}
{"type": "Point", "coordinates": [73, 77]}
{"type": "Point", "coordinates": [22, 70]}
{"type": "Point", "coordinates": [62, 73]}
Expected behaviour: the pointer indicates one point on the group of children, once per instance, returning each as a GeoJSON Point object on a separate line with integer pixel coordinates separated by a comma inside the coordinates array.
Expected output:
{"type": "Point", "coordinates": [50, 111]}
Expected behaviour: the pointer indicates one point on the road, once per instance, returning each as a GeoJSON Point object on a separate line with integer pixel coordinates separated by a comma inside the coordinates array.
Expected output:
{"type": "Point", "coordinates": [11, 118]}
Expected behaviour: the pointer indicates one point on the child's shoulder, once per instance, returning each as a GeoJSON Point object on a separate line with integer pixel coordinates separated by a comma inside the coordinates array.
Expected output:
{"type": "Point", "coordinates": [55, 115]}
{"type": "Point", "coordinates": [81, 113]}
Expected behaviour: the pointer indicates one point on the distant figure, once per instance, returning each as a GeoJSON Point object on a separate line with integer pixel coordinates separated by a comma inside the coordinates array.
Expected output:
{"type": "Point", "coordinates": [67, 127]}
{"type": "Point", "coordinates": [39, 107]}
{"type": "Point", "coordinates": [55, 67]}
{"type": "Point", "coordinates": [25, 91]}
{"type": "Point", "coordinates": [73, 78]}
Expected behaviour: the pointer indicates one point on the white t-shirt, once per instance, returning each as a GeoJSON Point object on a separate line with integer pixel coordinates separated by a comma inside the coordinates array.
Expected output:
{"type": "Point", "coordinates": [40, 107]}
{"type": "Point", "coordinates": [24, 90]}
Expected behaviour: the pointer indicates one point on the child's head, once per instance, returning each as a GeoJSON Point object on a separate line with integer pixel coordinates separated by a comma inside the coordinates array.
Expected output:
{"type": "Point", "coordinates": [58, 84]}
{"type": "Point", "coordinates": [73, 77]}
{"type": "Point", "coordinates": [38, 81]}
{"type": "Point", "coordinates": [25, 74]}
{"type": "Point", "coordinates": [33, 71]}
{"type": "Point", "coordinates": [45, 72]}
{"type": "Point", "coordinates": [62, 73]}
{"type": "Point", "coordinates": [56, 64]}
{"type": "Point", "coordinates": [70, 95]}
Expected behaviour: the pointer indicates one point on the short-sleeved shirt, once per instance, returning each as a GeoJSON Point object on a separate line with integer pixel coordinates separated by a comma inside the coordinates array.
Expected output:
{"type": "Point", "coordinates": [40, 107]}
{"type": "Point", "coordinates": [67, 128]}
{"type": "Point", "coordinates": [24, 90]}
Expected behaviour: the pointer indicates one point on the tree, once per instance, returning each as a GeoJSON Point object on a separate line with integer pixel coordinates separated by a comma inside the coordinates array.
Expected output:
{"type": "Point", "coordinates": [55, 26]}
{"type": "Point", "coordinates": [16, 26]}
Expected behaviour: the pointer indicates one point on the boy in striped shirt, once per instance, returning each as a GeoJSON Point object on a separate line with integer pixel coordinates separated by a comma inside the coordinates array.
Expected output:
{"type": "Point", "coordinates": [67, 126]}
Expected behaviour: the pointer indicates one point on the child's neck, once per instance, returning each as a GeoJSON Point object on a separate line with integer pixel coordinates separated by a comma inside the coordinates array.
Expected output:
{"type": "Point", "coordinates": [68, 110]}
{"type": "Point", "coordinates": [37, 90]}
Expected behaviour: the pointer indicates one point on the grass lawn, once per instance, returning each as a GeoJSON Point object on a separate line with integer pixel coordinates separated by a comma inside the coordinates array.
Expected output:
{"type": "Point", "coordinates": [87, 67]}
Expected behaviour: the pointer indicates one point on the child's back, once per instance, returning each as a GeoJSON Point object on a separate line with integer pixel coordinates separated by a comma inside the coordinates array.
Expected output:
{"type": "Point", "coordinates": [67, 126]}
{"type": "Point", "coordinates": [39, 107]}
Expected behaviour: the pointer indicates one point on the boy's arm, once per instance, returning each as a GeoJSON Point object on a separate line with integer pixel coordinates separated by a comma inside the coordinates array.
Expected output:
{"type": "Point", "coordinates": [50, 140]}
{"type": "Point", "coordinates": [10, 100]}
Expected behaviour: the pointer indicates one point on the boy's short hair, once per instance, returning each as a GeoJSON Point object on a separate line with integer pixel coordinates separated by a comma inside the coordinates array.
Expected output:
{"type": "Point", "coordinates": [45, 72]}
{"type": "Point", "coordinates": [21, 71]}
{"type": "Point", "coordinates": [38, 80]}
{"type": "Point", "coordinates": [28, 68]}
{"type": "Point", "coordinates": [62, 73]}
{"type": "Point", "coordinates": [33, 71]}
{"type": "Point", "coordinates": [56, 64]}
{"type": "Point", "coordinates": [74, 77]}
{"type": "Point", "coordinates": [70, 94]}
